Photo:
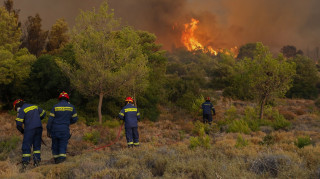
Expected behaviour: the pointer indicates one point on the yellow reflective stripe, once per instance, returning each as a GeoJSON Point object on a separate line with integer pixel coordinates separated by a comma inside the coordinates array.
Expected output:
{"type": "Point", "coordinates": [19, 119]}
{"type": "Point", "coordinates": [56, 156]}
{"type": "Point", "coordinates": [62, 155]}
{"type": "Point", "coordinates": [36, 152]}
{"type": "Point", "coordinates": [30, 108]}
{"type": "Point", "coordinates": [51, 114]}
{"type": "Point", "coordinates": [75, 115]}
{"type": "Point", "coordinates": [136, 143]}
{"type": "Point", "coordinates": [43, 111]}
{"type": "Point", "coordinates": [130, 110]}
{"type": "Point", "coordinates": [121, 114]}
{"type": "Point", "coordinates": [26, 155]}
{"type": "Point", "coordinates": [138, 114]}
{"type": "Point", "coordinates": [130, 143]}
{"type": "Point", "coordinates": [63, 108]}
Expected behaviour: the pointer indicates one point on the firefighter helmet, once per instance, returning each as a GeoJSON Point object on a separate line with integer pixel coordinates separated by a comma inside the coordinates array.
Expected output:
{"type": "Point", "coordinates": [16, 102]}
{"type": "Point", "coordinates": [63, 94]}
{"type": "Point", "coordinates": [129, 99]}
{"type": "Point", "coordinates": [207, 98]}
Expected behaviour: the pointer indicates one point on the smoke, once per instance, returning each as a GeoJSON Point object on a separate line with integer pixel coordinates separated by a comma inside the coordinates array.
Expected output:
{"type": "Point", "coordinates": [223, 23]}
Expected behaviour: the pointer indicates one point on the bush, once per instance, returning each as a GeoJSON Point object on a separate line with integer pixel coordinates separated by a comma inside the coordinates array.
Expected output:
{"type": "Point", "coordinates": [302, 141]}
{"type": "Point", "coordinates": [198, 126]}
{"type": "Point", "coordinates": [92, 137]}
{"type": "Point", "coordinates": [111, 123]}
{"type": "Point", "coordinates": [241, 142]}
{"type": "Point", "coordinates": [202, 140]}
{"type": "Point", "coordinates": [280, 123]}
{"type": "Point", "coordinates": [240, 126]}
{"type": "Point", "coordinates": [267, 140]}
{"type": "Point", "coordinates": [252, 118]}
{"type": "Point", "coordinates": [8, 145]}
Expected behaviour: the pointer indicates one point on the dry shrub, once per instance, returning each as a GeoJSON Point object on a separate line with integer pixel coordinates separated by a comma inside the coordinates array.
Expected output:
{"type": "Point", "coordinates": [288, 115]}
{"type": "Point", "coordinates": [270, 164]}
{"type": "Point", "coordinates": [300, 111]}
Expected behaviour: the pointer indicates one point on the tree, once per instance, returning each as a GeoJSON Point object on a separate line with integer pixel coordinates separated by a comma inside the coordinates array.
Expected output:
{"type": "Point", "coordinates": [58, 36]}
{"type": "Point", "coordinates": [269, 77]}
{"type": "Point", "coordinates": [8, 4]}
{"type": "Point", "coordinates": [10, 32]}
{"type": "Point", "coordinates": [290, 51]}
{"type": "Point", "coordinates": [34, 38]}
{"type": "Point", "coordinates": [306, 80]}
{"type": "Point", "coordinates": [108, 61]}
{"type": "Point", "coordinates": [247, 50]}
{"type": "Point", "coordinates": [14, 63]}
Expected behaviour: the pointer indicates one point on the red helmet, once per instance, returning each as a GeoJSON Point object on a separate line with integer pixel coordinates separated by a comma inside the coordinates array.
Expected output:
{"type": "Point", "coordinates": [16, 102]}
{"type": "Point", "coordinates": [207, 98]}
{"type": "Point", "coordinates": [129, 99]}
{"type": "Point", "coordinates": [63, 94]}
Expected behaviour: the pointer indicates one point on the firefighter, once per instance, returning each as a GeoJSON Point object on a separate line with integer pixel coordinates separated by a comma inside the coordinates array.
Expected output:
{"type": "Point", "coordinates": [207, 107]}
{"type": "Point", "coordinates": [131, 116]}
{"type": "Point", "coordinates": [61, 116]}
{"type": "Point", "coordinates": [29, 124]}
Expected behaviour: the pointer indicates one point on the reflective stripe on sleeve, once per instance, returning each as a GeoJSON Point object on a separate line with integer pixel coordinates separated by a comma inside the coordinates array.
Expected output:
{"type": "Point", "coordinates": [121, 114]}
{"type": "Point", "coordinates": [30, 108]}
{"type": "Point", "coordinates": [51, 114]}
{"type": "Point", "coordinates": [43, 111]}
{"type": "Point", "coordinates": [75, 115]}
{"type": "Point", "coordinates": [19, 119]}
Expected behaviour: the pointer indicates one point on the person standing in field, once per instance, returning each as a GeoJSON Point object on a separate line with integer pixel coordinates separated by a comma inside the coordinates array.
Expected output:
{"type": "Point", "coordinates": [28, 122]}
{"type": "Point", "coordinates": [207, 107]}
{"type": "Point", "coordinates": [61, 116]}
{"type": "Point", "coordinates": [131, 116]}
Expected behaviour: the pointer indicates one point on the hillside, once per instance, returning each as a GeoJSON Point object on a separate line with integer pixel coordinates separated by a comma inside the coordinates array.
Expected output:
{"type": "Point", "coordinates": [177, 147]}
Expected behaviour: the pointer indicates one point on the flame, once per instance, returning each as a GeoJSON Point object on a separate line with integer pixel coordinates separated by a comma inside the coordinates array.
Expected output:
{"type": "Point", "coordinates": [190, 41]}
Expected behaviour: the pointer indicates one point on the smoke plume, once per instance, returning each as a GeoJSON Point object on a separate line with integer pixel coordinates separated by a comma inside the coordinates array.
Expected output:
{"type": "Point", "coordinates": [222, 23]}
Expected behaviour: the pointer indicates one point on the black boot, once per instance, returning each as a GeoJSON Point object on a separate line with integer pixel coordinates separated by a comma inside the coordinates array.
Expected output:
{"type": "Point", "coordinates": [130, 146]}
{"type": "Point", "coordinates": [24, 166]}
{"type": "Point", "coordinates": [56, 160]}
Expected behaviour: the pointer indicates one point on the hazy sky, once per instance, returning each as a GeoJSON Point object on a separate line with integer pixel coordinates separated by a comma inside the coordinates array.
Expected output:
{"type": "Point", "coordinates": [223, 23]}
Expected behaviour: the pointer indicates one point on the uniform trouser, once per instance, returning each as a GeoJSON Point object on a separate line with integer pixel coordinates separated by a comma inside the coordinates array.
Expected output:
{"type": "Point", "coordinates": [207, 118]}
{"type": "Point", "coordinates": [59, 144]}
{"type": "Point", "coordinates": [31, 138]}
{"type": "Point", "coordinates": [132, 136]}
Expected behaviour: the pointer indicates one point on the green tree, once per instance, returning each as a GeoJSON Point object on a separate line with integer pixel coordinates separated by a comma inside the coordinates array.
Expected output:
{"type": "Point", "coordinates": [10, 32]}
{"type": "Point", "coordinates": [34, 38]}
{"type": "Point", "coordinates": [269, 77]}
{"type": "Point", "coordinates": [306, 80]}
{"type": "Point", "coordinates": [290, 51]}
{"type": "Point", "coordinates": [108, 60]}
{"type": "Point", "coordinates": [58, 36]}
{"type": "Point", "coordinates": [46, 79]}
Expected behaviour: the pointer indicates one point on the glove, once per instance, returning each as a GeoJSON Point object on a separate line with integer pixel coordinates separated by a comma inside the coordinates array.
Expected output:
{"type": "Point", "coordinates": [48, 134]}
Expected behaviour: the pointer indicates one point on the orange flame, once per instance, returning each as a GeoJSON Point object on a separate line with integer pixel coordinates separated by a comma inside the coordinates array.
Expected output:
{"type": "Point", "coordinates": [190, 41]}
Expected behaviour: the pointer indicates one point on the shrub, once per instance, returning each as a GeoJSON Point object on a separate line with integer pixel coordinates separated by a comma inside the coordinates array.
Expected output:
{"type": "Point", "coordinates": [302, 141]}
{"type": "Point", "coordinates": [241, 142]}
{"type": "Point", "coordinates": [198, 126]}
{"type": "Point", "coordinates": [92, 137]}
{"type": "Point", "coordinates": [252, 118]}
{"type": "Point", "coordinates": [240, 126]}
{"type": "Point", "coordinates": [196, 110]}
{"type": "Point", "coordinates": [267, 140]}
{"type": "Point", "coordinates": [280, 123]}
{"type": "Point", "coordinates": [269, 164]}
{"type": "Point", "coordinates": [202, 140]}
{"type": "Point", "coordinates": [8, 145]}
{"type": "Point", "coordinates": [111, 123]}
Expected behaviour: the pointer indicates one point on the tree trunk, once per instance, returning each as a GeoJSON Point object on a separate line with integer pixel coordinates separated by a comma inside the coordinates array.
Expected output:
{"type": "Point", "coordinates": [262, 107]}
{"type": "Point", "coordinates": [99, 107]}
{"type": "Point", "coordinates": [134, 98]}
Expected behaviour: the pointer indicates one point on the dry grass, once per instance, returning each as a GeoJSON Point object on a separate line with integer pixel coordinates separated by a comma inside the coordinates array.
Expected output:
{"type": "Point", "coordinates": [165, 152]}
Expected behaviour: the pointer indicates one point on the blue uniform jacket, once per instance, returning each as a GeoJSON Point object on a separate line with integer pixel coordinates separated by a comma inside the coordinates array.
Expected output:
{"type": "Point", "coordinates": [30, 116]}
{"type": "Point", "coordinates": [130, 115]}
{"type": "Point", "coordinates": [207, 107]}
{"type": "Point", "coordinates": [61, 116]}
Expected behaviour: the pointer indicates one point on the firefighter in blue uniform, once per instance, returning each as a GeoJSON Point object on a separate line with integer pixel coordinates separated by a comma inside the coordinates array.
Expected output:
{"type": "Point", "coordinates": [29, 124]}
{"type": "Point", "coordinates": [130, 115]}
{"type": "Point", "coordinates": [61, 116]}
{"type": "Point", "coordinates": [207, 107]}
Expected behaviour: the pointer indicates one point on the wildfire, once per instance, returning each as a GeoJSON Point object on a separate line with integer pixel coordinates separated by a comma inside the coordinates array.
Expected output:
{"type": "Point", "coordinates": [190, 41]}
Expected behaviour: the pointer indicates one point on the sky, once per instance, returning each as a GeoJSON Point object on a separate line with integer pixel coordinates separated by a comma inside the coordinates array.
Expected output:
{"type": "Point", "coordinates": [222, 23]}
